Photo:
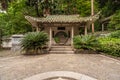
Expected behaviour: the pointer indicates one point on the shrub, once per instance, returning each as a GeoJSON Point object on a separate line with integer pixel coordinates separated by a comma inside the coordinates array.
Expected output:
{"type": "Point", "coordinates": [34, 41]}
{"type": "Point", "coordinates": [110, 46]}
{"type": "Point", "coordinates": [85, 42]}
{"type": "Point", "coordinates": [115, 34]}
{"type": "Point", "coordinates": [57, 40]}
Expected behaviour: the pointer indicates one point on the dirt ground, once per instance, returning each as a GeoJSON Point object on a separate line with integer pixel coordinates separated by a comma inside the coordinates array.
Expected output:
{"type": "Point", "coordinates": [17, 67]}
{"type": "Point", "coordinates": [9, 53]}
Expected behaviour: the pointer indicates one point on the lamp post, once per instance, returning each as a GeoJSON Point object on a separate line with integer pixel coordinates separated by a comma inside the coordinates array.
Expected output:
{"type": "Point", "coordinates": [92, 14]}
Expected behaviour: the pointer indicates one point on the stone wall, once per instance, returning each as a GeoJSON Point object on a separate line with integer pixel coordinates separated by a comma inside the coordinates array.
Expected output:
{"type": "Point", "coordinates": [16, 40]}
{"type": "Point", "coordinates": [12, 42]}
{"type": "Point", "coordinates": [6, 43]}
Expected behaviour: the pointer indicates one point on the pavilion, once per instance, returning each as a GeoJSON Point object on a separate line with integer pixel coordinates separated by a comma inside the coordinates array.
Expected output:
{"type": "Point", "coordinates": [62, 26]}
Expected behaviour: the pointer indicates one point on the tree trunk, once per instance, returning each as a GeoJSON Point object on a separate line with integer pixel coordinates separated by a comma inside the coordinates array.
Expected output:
{"type": "Point", "coordinates": [37, 9]}
{"type": "Point", "coordinates": [46, 9]}
{"type": "Point", "coordinates": [92, 14]}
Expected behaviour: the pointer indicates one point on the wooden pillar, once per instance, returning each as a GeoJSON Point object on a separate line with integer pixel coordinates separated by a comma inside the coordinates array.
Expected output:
{"type": "Point", "coordinates": [102, 26]}
{"type": "Point", "coordinates": [72, 35]}
{"type": "Point", "coordinates": [93, 30]}
{"type": "Point", "coordinates": [85, 30]}
{"type": "Point", "coordinates": [50, 37]}
{"type": "Point", "coordinates": [92, 14]}
{"type": "Point", "coordinates": [37, 29]}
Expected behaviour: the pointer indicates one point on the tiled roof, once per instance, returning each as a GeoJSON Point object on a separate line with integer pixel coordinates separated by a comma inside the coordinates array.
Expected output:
{"type": "Point", "coordinates": [62, 19]}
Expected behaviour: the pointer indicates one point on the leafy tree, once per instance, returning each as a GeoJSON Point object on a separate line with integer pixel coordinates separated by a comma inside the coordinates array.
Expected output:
{"type": "Point", "coordinates": [115, 21]}
{"type": "Point", "coordinates": [82, 7]}
{"type": "Point", "coordinates": [109, 7]}
{"type": "Point", "coordinates": [40, 7]}
{"type": "Point", "coordinates": [32, 6]}
{"type": "Point", "coordinates": [13, 22]}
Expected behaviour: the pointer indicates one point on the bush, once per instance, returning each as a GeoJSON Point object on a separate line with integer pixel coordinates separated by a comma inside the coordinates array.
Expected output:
{"type": "Point", "coordinates": [34, 41]}
{"type": "Point", "coordinates": [57, 40]}
{"type": "Point", "coordinates": [110, 46]}
{"type": "Point", "coordinates": [115, 34]}
{"type": "Point", "coordinates": [85, 42]}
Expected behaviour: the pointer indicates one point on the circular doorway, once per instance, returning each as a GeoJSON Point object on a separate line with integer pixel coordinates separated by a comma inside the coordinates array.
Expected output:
{"type": "Point", "coordinates": [61, 37]}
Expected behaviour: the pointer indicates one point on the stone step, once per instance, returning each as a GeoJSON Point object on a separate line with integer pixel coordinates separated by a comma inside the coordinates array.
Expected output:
{"type": "Point", "coordinates": [61, 49]}
{"type": "Point", "coordinates": [61, 46]}
{"type": "Point", "coordinates": [61, 52]}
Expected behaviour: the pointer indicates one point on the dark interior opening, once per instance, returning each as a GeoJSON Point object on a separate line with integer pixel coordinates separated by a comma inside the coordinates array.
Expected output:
{"type": "Point", "coordinates": [61, 28]}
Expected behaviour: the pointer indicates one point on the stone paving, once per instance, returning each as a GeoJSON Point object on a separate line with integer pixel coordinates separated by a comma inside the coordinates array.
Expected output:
{"type": "Point", "coordinates": [60, 75]}
{"type": "Point", "coordinates": [93, 65]}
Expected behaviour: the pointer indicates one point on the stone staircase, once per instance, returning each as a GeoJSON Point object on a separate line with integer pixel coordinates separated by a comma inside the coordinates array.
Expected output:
{"type": "Point", "coordinates": [61, 50]}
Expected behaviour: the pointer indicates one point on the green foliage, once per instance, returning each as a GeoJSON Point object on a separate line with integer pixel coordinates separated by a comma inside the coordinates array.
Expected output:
{"type": "Point", "coordinates": [34, 7]}
{"type": "Point", "coordinates": [97, 25]}
{"type": "Point", "coordinates": [110, 46]}
{"type": "Point", "coordinates": [84, 7]}
{"type": "Point", "coordinates": [115, 21]}
{"type": "Point", "coordinates": [57, 40]}
{"type": "Point", "coordinates": [81, 31]}
{"type": "Point", "coordinates": [13, 22]}
{"type": "Point", "coordinates": [115, 34]}
{"type": "Point", "coordinates": [85, 42]}
{"type": "Point", "coordinates": [108, 7]}
{"type": "Point", "coordinates": [34, 41]}
{"type": "Point", "coordinates": [37, 7]}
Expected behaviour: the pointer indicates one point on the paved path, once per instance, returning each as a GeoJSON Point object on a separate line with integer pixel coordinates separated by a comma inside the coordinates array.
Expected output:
{"type": "Point", "coordinates": [93, 65]}
{"type": "Point", "coordinates": [60, 75]}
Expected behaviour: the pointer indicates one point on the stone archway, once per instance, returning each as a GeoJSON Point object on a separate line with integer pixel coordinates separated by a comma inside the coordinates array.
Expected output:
{"type": "Point", "coordinates": [61, 37]}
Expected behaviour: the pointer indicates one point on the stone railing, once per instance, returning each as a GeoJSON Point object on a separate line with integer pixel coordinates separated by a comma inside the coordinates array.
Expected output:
{"type": "Point", "coordinates": [6, 43]}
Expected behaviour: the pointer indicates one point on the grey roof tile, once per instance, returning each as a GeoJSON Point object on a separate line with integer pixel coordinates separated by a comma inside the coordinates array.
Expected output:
{"type": "Point", "coordinates": [62, 18]}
